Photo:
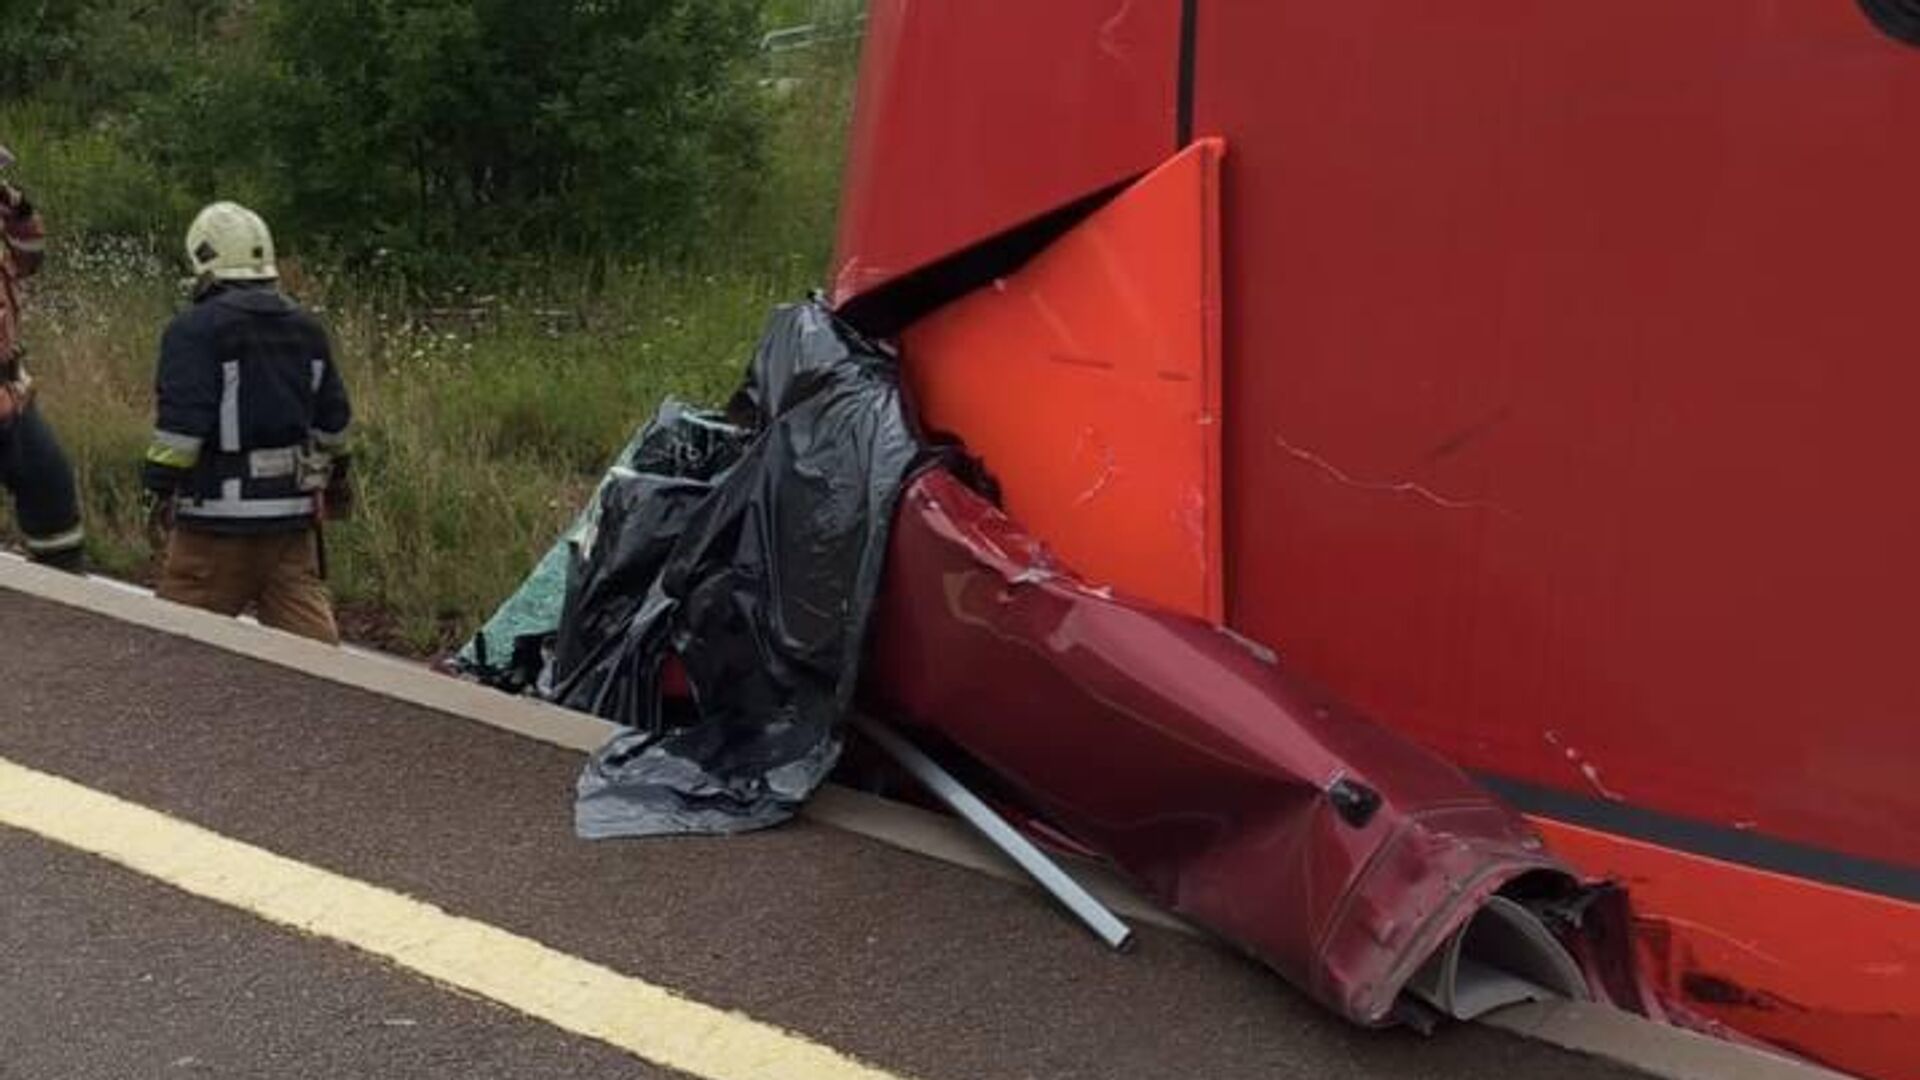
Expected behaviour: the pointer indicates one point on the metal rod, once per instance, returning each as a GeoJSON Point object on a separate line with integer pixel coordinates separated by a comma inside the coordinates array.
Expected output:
{"type": "Point", "coordinates": [1103, 922]}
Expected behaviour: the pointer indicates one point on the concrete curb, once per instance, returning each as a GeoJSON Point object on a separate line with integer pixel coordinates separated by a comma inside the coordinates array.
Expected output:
{"type": "Point", "coordinates": [1658, 1050]}
{"type": "Point", "coordinates": [372, 672]}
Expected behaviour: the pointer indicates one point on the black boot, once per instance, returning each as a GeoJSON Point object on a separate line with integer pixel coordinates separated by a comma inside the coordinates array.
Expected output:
{"type": "Point", "coordinates": [73, 560]}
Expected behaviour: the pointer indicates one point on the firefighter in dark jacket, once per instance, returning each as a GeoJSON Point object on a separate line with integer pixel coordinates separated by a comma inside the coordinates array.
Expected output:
{"type": "Point", "coordinates": [249, 445]}
{"type": "Point", "coordinates": [32, 466]}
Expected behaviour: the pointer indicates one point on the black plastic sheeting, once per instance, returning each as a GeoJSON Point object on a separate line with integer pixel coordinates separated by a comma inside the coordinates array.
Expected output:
{"type": "Point", "coordinates": [748, 546]}
{"type": "Point", "coordinates": [643, 509]}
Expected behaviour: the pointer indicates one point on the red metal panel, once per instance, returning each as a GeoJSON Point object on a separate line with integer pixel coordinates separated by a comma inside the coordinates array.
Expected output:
{"type": "Point", "coordinates": [973, 118]}
{"type": "Point", "coordinates": [1571, 363]}
{"type": "Point", "coordinates": [1088, 384]}
{"type": "Point", "coordinates": [1756, 961]}
{"type": "Point", "coordinates": [1569, 353]}
{"type": "Point", "coordinates": [1570, 358]}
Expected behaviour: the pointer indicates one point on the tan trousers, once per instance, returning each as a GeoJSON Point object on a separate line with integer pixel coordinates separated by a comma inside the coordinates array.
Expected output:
{"type": "Point", "coordinates": [277, 574]}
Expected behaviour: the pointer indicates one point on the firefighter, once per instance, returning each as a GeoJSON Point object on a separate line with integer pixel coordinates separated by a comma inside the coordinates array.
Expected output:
{"type": "Point", "coordinates": [249, 451]}
{"type": "Point", "coordinates": [32, 466]}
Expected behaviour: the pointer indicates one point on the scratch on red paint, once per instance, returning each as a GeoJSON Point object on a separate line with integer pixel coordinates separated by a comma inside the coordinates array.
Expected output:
{"type": "Point", "coordinates": [1388, 487]}
{"type": "Point", "coordinates": [1586, 768]}
{"type": "Point", "coordinates": [1109, 467]}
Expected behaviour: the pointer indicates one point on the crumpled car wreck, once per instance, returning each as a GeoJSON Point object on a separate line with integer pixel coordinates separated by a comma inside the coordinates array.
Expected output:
{"type": "Point", "coordinates": [746, 580]}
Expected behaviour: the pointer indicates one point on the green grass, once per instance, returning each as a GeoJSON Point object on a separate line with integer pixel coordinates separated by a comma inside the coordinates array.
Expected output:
{"type": "Point", "coordinates": [482, 421]}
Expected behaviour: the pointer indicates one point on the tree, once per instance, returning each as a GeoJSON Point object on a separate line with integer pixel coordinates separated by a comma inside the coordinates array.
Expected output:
{"type": "Point", "coordinates": [439, 130]}
{"type": "Point", "coordinates": [492, 126]}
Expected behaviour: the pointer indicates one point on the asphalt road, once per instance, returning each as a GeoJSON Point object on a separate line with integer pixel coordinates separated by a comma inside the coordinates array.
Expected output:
{"type": "Point", "coordinates": [909, 964]}
{"type": "Point", "coordinates": [104, 973]}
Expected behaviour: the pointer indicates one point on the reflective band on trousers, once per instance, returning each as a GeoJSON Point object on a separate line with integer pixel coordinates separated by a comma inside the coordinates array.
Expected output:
{"type": "Point", "coordinates": [72, 538]}
{"type": "Point", "coordinates": [228, 507]}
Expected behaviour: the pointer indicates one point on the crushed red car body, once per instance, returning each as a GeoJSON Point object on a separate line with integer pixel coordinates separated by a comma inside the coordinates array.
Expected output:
{"type": "Point", "coordinates": [1337, 851]}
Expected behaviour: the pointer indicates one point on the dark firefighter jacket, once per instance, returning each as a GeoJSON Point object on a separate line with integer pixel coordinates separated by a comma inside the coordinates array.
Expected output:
{"type": "Point", "coordinates": [252, 415]}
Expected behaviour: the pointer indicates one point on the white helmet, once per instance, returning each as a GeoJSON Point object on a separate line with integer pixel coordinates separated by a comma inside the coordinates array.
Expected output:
{"type": "Point", "coordinates": [229, 242]}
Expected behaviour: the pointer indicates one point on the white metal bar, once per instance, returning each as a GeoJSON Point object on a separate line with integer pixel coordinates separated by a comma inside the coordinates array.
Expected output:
{"type": "Point", "coordinates": [1103, 922]}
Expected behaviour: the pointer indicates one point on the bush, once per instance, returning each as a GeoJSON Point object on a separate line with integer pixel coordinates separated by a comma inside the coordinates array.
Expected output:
{"type": "Point", "coordinates": [37, 38]}
{"type": "Point", "coordinates": [88, 182]}
{"type": "Point", "coordinates": [466, 126]}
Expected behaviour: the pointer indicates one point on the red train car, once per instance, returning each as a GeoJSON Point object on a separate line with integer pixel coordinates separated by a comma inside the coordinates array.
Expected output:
{"type": "Point", "coordinates": [1567, 360]}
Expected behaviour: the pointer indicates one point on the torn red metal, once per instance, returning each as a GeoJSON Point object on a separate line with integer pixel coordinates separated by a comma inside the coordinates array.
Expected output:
{"type": "Point", "coordinates": [1230, 789]}
{"type": "Point", "coordinates": [1111, 448]}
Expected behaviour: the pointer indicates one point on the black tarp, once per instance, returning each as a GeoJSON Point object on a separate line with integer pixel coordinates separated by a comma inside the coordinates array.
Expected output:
{"type": "Point", "coordinates": [748, 547]}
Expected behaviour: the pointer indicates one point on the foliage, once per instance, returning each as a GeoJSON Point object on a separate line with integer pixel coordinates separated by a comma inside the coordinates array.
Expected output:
{"type": "Point", "coordinates": [444, 133]}
{"type": "Point", "coordinates": [468, 125]}
{"type": "Point", "coordinates": [37, 37]}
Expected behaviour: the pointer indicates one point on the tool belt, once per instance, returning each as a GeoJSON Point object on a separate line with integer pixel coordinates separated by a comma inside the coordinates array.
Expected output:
{"type": "Point", "coordinates": [307, 466]}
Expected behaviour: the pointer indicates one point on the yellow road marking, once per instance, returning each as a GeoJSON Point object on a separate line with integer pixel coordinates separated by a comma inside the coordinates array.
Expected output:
{"type": "Point", "coordinates": [575, 995]}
